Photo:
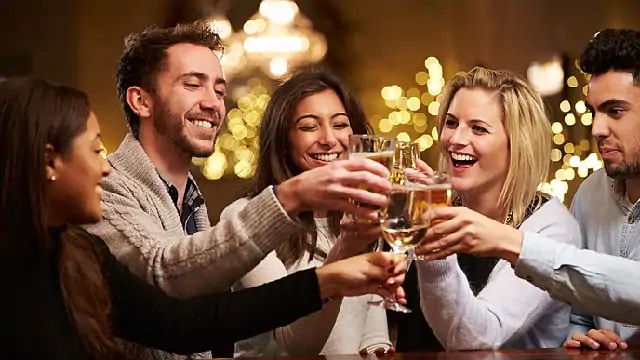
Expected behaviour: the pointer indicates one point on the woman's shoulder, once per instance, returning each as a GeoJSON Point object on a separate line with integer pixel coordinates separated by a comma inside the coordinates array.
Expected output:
{"type": "Point", "coordinates": [98, 247]}
{"type": "Point", "coordinates": [553, 220]}
{"type": "Point", "coordinates": [80, 233]}
{"type": "Point", "coordinates": [551, 208]}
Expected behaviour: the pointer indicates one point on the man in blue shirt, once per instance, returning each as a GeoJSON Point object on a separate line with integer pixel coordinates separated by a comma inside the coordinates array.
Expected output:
{"type": "Point", "coordinates": [606, 205]}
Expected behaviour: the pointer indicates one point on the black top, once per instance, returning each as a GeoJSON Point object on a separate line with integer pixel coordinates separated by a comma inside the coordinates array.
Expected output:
{"type": "Point", "coordinates": [414, 333]}
{"type": "Point", "coordinates": [34, 321]}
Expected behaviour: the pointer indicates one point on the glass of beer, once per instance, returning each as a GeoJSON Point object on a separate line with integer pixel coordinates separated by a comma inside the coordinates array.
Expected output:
{"type": "Point", "coordinates": [438, 185]}
{"type": "Point", "coordinates": [437, 182]}
{"type": "Point", "coordinates": [377, 148]}
{"type": "Point", "coordinates": [404, 225]}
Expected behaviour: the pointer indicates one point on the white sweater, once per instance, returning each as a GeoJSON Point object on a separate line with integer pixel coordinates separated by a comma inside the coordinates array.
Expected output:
{"type": "Point", "coordinates": [509, 312]}
{"type": "Point", "coordinates": [342, 327]}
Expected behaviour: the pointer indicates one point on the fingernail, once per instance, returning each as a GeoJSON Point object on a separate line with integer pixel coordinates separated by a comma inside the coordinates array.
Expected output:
{"type": "Point", "coordinates": [623, 345]}
{"type": "Point", "coordinates": [391, 281]}
{"type": "Point", "coordinates": [595, 345]}
{"type": "Point", "coordinates": [612, 346]}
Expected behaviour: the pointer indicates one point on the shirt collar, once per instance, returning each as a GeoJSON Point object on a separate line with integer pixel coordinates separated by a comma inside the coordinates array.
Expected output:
{"type": "Point", "coordinates": [619, 190]}
{"type": "Point", "coordinates": [192, 196]}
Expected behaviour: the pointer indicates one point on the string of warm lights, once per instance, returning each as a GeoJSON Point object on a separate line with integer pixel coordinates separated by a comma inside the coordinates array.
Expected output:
{"type": "Point", "coordinates": [411, 117]}
{"type": "Point", "coordinates": [237, 147]}
{"type": "Point", "coordinates": [406, 117]}
{"type": "Point", "coordinates": [574, 156]}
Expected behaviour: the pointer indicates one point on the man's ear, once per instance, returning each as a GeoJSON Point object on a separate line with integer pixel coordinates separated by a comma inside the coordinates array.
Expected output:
{"type": "Point", "coordinates": [52, 162]}
{"type": "Point", "coordinates": [139, 101]}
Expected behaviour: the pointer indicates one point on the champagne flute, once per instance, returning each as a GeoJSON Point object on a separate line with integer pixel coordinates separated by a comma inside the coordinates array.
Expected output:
{"type": "Point", "coordinates": [405, 159]}
{"type": "Point", "coordinates": [405, 222]}
{"type": "Point", "coordinates": [406, 156]}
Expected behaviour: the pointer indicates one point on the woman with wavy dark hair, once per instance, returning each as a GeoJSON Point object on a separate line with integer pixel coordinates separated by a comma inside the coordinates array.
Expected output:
{"type": "Point", "coordinates": [306, 125]}
{"type": "Point", "coordinates": [64, 296]}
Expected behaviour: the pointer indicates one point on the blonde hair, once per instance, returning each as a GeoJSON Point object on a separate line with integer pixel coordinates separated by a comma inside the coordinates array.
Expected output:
{"type": "Point", "coordinates": [528, 131]}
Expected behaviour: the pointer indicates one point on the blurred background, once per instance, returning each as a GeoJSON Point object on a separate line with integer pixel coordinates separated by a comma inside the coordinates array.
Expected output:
{"type": "Point", "coordinates": [396, 55]}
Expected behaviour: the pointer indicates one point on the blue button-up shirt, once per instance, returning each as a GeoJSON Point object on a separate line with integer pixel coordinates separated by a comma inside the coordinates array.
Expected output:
{"type": "Point", "coordinates": [609, 224]}
{"type": "Point", "coordinates": [594, 283]}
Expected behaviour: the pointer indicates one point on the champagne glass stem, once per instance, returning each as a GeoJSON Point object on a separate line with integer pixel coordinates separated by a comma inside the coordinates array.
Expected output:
{"type": "Point", "coordinates": [390, 302]}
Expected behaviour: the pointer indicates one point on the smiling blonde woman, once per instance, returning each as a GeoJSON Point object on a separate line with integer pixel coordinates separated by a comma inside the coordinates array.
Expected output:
{"type": "Point", "coordinates": [495, 141]}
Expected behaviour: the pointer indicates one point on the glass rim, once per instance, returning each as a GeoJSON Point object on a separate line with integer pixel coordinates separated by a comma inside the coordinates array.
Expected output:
{"type": "Point", "coordinates": [444, 185]}
{"type": "Point", "coordinates": [372, 136]}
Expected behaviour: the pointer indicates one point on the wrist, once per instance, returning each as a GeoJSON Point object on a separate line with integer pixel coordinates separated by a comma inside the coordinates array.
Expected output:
{"type": "Point", "coordinates": [512, 246]}
{"type": "Point", "coordinates": [328, 288]}
{"type": "Point", "coordinates": [286, 196]}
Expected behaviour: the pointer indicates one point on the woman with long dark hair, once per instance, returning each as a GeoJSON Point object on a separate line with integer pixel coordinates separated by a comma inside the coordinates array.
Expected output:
{"type": "Point", "coordinates": [64, 296]}
{"type": "Point", "coordinates": [306, 125]}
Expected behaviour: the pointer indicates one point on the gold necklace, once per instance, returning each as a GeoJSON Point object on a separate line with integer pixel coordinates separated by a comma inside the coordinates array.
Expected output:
{"type": "Point", "coordinates": [457, 201]}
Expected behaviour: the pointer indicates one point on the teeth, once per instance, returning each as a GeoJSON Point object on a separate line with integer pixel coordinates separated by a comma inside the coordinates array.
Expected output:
{"type": "Point", "coordinates": [325, 157]}
{"type": "Point", "coordinates": [202, 124]}
{"type": "Point", "coordinates": [463, 157]}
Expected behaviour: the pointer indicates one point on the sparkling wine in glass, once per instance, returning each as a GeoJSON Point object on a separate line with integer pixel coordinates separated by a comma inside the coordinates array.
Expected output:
{"type": "Point", "coordinates": [405, 159]}
{"type": "Point", "coordinates": [404, 225]}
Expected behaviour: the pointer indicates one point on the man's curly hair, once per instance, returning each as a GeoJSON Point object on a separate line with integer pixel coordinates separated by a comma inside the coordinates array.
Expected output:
{"type": "Point", "coordinates": [612, 49]}
{"type": "Point", "coordinates": [144, 56]}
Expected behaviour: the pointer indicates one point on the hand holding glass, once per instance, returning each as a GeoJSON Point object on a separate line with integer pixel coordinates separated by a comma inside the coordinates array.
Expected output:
{"type": "Point", "coordinates": [405, 222]}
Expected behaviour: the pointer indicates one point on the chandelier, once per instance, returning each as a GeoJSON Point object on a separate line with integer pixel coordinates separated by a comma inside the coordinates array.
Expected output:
{"type": "Point", "coordinates": [547, 78]}
{"type": "Point", "coordinates": [274, 40]}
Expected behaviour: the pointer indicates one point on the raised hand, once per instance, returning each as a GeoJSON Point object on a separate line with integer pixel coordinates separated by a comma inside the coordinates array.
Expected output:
{"type": "Point", "coordinates": [336, 186]}
{"type": "Point", "coordinates": [379, 273]}
{"type": "Point", "coordinates": [463, 230]}
{"type": "Point", "coordinates": [421, 175]}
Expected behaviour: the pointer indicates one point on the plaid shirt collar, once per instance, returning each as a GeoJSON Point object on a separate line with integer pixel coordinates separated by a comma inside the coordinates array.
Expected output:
{"type": "Point", "coordinates": [192, 200]}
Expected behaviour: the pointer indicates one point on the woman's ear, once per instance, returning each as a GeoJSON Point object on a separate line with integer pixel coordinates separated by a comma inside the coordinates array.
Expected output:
{"type": "Point", "coordinates": [51, 162]}
{"type": "Point", "coordinates": [139, 101]}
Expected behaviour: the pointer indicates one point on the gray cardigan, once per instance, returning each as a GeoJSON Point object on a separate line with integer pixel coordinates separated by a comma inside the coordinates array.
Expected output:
{"type": "Point", "coordinates": [143, 230]}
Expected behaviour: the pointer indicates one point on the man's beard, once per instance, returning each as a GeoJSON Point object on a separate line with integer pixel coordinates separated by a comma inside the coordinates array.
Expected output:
{"type": "Point", "coordinates": [623, 171]}
{"type": "Point", "coordinates": [164, 124]}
